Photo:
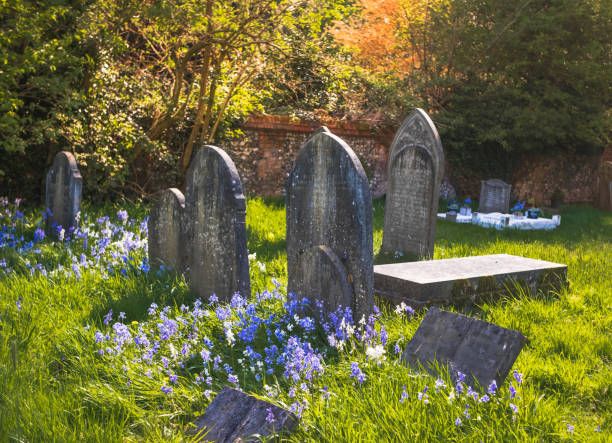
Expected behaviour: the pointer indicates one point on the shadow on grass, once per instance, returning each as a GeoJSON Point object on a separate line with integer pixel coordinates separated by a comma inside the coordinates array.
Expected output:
{"type": "Point", "coordinates": [134, 296]}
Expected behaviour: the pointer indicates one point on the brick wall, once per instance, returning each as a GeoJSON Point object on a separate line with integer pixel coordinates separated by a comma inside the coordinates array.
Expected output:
{"type": "Point", "coordinates": [265, 154]}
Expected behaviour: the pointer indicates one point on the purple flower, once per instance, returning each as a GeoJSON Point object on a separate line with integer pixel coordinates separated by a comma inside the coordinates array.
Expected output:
{"type": "Point", "coordinates": [397, 349]}
{"type": "Point", "coordinates": [404, 395]}
{"type": "Point", "coordinates": [173, 378]}
{"type": "Point", "coordinates": [492, 388]}
{"type": "Point", "coordinates": [512, 391]}
{"type": "Point", "coordinates": [460, 376]}
{"type": "Point", "coordinates": [109, 317]}
{"type": "Point", "coordinates": [122, 215]}
{"type": "Point", "coordinates": [570, 429]}
{"type": "Point", "coordinates": [514, 408]}
{"type": "Point", "coordinates": [518, 377]}
{"type": "Point", "coordinates": [232, 378]}
{"type": "Point", "coordinates": [484, 399]}
{"type": "Point", "coordinates": [166, 389]}
{"type": "Point", "coordinates": [39, 235]}
{"type": "Point", "coordinates": [270, 416]}
{"type": "Point", "coordinates": [458, 422]}
{"type": "Point", "coordinates": [356, 372]}
{"type": "Point", "coordinates": [213, 299]}
{"type": "Point", "coordinates": [19, 304]}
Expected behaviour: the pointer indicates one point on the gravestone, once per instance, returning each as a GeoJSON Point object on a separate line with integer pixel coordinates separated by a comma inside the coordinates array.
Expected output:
{"type": "Point", "coordinates": [235, 416]}
{"type": "Point", "coordinates": [329, 226]}
{"type": "Point", "coordinates": [204, 232]}
{"type": "Point", "coordinates": [494, 196]}
{"type": "Point", "coordinates": [604, 178]}
{"type": "Point", "coordinates": [414, 173]}
{"type": "Point", "coordinates": [166, 247]}
{"type": "Point", "coordinates": [482, 351]}
{"type": "Point", "coordinates": [466, 280]}
{"type": "Point", "coordinates": [63, 192]}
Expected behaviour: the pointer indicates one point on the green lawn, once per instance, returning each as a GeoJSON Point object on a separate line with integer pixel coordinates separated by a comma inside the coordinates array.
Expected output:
{"type": "Point", "coordinates": [58, 384]}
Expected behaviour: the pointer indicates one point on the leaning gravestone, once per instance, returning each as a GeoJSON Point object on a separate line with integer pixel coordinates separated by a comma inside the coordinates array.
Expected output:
{"type": "Point", "coordinates": [329, 226]}
{"type": "Point", "coordinates": [482, 351]}
{"type": "Point", "coordinates": [63, 192]}
{"type": "Point", "coordinates": [204, 233]}
{"type": "Point", "coordinates": [414, 173]}
{"type": "Point", "coordinates": [235, 416]}
{"type": "Point", "coordinates": [494, 196]}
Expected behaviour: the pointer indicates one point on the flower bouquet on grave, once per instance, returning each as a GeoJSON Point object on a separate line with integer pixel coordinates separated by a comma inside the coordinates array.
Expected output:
{"type": "Point", "coordinates": [452, 207]}
{"type": "Point", "coordinates": [466, 209]}
{"type": "Point", "coordinates": [517, 210]}
{"type": "Point", "coordinates": [451, 210]}
{"type": "Point", "coordinates": [533, 211]}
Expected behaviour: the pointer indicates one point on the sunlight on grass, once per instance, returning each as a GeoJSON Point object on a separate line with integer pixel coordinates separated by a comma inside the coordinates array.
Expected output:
{"type": "Point", "coordinates": [56, 385]}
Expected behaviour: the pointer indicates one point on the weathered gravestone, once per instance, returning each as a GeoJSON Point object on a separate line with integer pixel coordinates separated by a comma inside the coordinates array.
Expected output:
{"type": "Point", "coordinates": [63, 192]}
{"type": "Point", "coordinates": [166, 244]}
{"type": "Point", "coordinates": [465, 280]}
{"type": "Point", "coordinates": [204, 233]}
{"type": "Point", "coordinates": [482, 351]}
{"type": "Point", "coordinates": [329, 226]}
{"type": "Point", "coordinates": [235, 416]}
{"type": "Point", "coordinates": [414, 173]}
{"type": "Point", "coordinates": [494, 196]}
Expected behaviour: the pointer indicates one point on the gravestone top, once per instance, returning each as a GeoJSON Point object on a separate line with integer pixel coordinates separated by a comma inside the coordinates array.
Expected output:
{"type": "Point", "coordinates": [450, 269]}
{"type": "Point", "coordinates": [482, 351]}
{"type": "Point", "coordinates": [329, 204]}
{"type": "Point", "coordinates": [494, 196]}
{"type": "Point", "coordinates": [414, 174]}
{"type": "Point", "coordinates": [235, 416]}
{"type": "Point", "coordinates": [63, 192]}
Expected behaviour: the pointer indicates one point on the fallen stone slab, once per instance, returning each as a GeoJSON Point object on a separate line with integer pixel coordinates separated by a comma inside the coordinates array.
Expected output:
{"type": "Point", "coordinates": [236, 416]}
{"type": "Point", "coordinates": [465, 281]}
{"type": "Point", "coordinates": [482, 351]}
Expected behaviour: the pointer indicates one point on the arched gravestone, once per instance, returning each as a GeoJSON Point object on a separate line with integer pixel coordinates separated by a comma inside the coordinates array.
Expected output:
{"type": "Point", "coordinates": [204, 233]}
{"type": "Point", "coordinates": [494, 196]}
{"type": "Point", "coordinates": [63, 192]}
{"type": "Point", "coordinates": [414, 173]}
{"type": "Point", "coordinates": [165, 230]}
{"type": "Point", "coordinates": [329, 226]}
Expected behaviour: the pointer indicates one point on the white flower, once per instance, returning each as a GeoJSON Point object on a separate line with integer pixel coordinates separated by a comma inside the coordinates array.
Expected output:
{"type": "Point", "coordinates": [451, 396]}
{"type": "Point", "coordinates": [401, 308]}
{"type": "Point", "coordinates": [375, 353]}
{"type": "Point", "coordinates": [253, 256]}
{"type": "Point", "coordinates": [262, 266]}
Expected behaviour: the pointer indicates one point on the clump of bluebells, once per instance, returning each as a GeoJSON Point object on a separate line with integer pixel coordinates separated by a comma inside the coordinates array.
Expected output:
{"type": "Point", "coordinates": [109, 246]}
{"type": "Point", "coordinates": [270, 338]}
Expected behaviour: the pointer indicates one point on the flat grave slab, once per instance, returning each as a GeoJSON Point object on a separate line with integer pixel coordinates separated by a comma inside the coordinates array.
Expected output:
{"type": "Point", "coordinates": [236, 416]}
{"type": "Point", "coordinates": [466, 280]}
{"type": "Point", "coordinates": [482, 351]}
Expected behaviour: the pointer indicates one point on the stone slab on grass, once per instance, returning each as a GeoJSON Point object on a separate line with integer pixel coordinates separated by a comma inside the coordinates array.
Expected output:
{"type": "Point", "coordinates": [466, 280]}
{"type": "Point", "coordinates": [236, 416]}
{"type": "Point", "coordinates": [482, 351]}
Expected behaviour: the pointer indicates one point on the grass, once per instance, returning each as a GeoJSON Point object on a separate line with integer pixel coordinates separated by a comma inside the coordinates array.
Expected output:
{"type": "Point", "coordinates": [54, 385]}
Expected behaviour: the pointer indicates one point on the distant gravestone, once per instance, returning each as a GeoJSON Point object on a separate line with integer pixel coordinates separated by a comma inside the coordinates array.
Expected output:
{"type": "Point", "coordinates": [414, 173]}
{"type": "Point", "coordinates": [63, 192]}
{"type": "Point", "coordinates": [329, 226]}
{"type": "Point", "coordinates": [204, 233]}
{"type": "Point", "coordinates": [482, 351]}
{"type": "Point", "coordinates": [235, 416]}
{"type": "Point", "coordinates": [494, 196]}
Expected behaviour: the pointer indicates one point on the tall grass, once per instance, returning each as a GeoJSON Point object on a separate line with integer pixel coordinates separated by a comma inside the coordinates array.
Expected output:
{"type": "Point", "coordinates": [54, 386]}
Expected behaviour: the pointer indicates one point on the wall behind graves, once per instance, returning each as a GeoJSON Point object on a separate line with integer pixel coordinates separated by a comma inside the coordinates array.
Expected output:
{"type": "Point", "coordinates": [265, 154]}
{"type": "Point", "coordinates": [539, 176]}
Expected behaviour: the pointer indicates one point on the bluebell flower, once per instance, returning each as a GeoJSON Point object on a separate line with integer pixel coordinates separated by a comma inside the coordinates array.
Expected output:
{"type": "Point", "coordinates": [458, 422]}
{"type": "Point", "coordinates": [518, 377]}
{"type": "Point", "coordinates": [108, 318]}
{"type": "Point", "coordinates": [492, 388]}
{"type": "Point", "coordinates": [166, 389]}
{"type": "Point", "coordinates": [512, 390]}
{"type": "Point", "coordinates": [357, 373]}
{"type": "Point", "coordinates": [270, 415]}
